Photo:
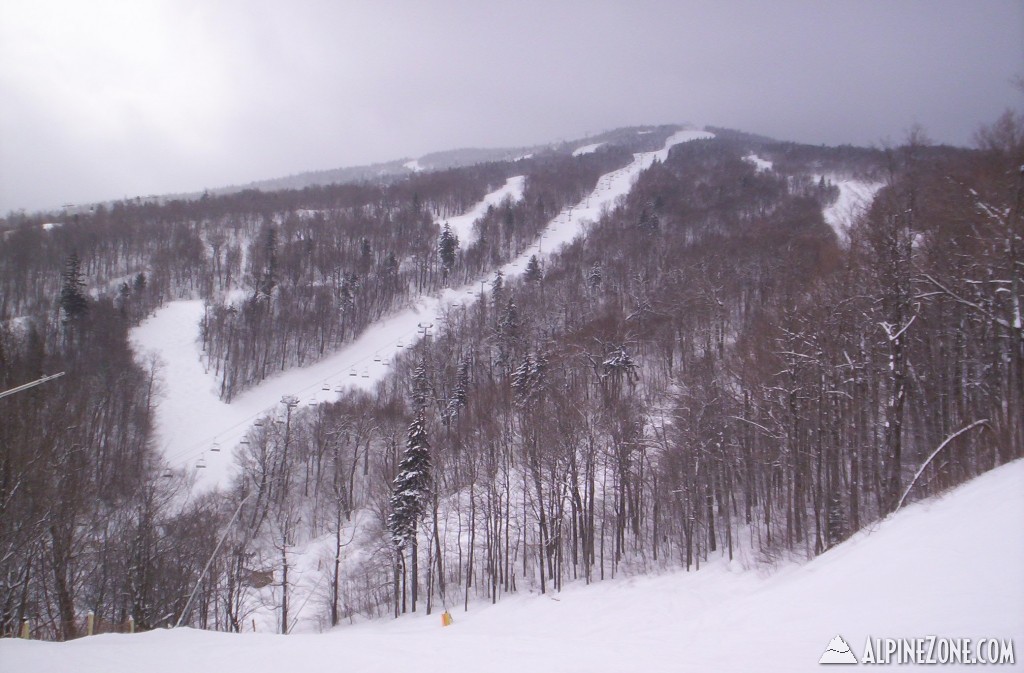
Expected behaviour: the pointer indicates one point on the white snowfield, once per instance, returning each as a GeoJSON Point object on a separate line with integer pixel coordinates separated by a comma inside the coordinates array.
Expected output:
{"type": "Point", "coordinates": [855, 196]}
{"type": "Point", "coordinates": [760, 164]}
{"type": "Point", "coordinates": [462, 225]}
{"type": "Point", "coordinates": [586, 149]}
{"type": "Point", "coordinates": [951, 567]}
{"type": "Point", "coordinates": [191, 419]}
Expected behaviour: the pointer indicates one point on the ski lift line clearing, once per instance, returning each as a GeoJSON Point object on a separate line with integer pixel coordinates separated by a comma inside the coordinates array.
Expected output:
{"type": "Point", "coordinates": [256, 420]}
{"type": "Point", "coordinates": [186, 455]}
{"type": "Point", "coordinates": [566, 217]}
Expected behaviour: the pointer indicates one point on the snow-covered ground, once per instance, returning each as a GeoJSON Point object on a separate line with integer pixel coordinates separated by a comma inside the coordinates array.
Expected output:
{"type": "Point", "coordinates": [951, 567]}
{"type": "Point", "coordinates": [759, 163]}
{"type": "Point", "coordinates": [854, 197]}
{"type": "Point", "coordinates": [462, 225]}
{"type": "Point", "coordinates": [191, 419]}
{"type": "Point", "coordinates": [586, 149]}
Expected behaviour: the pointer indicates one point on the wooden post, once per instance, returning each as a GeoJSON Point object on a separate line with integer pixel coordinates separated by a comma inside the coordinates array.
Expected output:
{"type": "Point", "coordinates": [90, 620]}
{"type": "Point", "coordinates": [131, 624]}
{"type": "Point", "coordinates": [25, 633]}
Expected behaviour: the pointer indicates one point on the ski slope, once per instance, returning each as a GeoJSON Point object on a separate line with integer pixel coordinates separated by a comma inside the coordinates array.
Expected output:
{"type": "Point", "coordinates": [462, 225]}
{"type": "Point", "coordinates": [760, 164]}
{"type": "Point", "coordinates": [855, 196]}
{"type": "Point", "coordinates": [952, 566]}
{"type": "Point", "coordinates": [586, 149]}
{"type": "Point", "coordinates": [190, 417]}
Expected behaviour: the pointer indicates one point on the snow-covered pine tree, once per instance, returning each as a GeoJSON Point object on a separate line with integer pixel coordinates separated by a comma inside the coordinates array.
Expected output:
{"type": "Point", "coordinates": [497, 289]}
{"type": "Point", "coordinates": [533, 272]}
{"type": "Point", "coordinates": [447, 246]}
{"type": "Point", "coordinates": [411, 486]}
{"type": "Point", "coordinates": [528, 379]}
{"type": "Point", "coordinates": [459, 394]}
{"type": "Point", "coordinates": [508, 334]}
{"type": "Point", "coordinates": [421, 387]}
{"type": "Point", "coordinates": [409, 496]}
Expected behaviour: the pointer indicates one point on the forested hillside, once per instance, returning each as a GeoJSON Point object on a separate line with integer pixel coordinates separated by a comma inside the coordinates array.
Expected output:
{"type": "Point", "coordinates": [712, 367]}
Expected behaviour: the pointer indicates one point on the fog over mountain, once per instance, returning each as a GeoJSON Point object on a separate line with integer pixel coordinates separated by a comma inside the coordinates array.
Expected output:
{"type": "Point", "coordinates": [108, 99]}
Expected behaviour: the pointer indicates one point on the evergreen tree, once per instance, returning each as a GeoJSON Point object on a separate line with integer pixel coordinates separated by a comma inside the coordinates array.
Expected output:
{"type": "Point", "coordinates": [365, 256]}
{"type": "Point", "coordinates": [460, 394]}
{"type": "Point", "coordinates": [269, 281]}
{"type": "Point", "coordinates": [420, 386]}
{"type": "Point", "coordinates": [411, 487]}
{"type": "Point", "coordinates": [497, 287]}
{"type": "Point", "coordinates": [528, 379]}
{"type": "Point", "coordinates": [447, 246]}
{"type": "Point", "coordinates": [533, 272]}
{"type": "Point", "coordinates": [508, 334]}
{"type": "Point", "coordinates": [389, 270]}
{"type": "Point", "coordinates": [73, 302]}
{"type": "Point", "coordinates": [595, 276]}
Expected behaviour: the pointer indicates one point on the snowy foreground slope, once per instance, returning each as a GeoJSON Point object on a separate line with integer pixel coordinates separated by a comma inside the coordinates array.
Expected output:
{"type": "Point", "coordinates": [952, 566]}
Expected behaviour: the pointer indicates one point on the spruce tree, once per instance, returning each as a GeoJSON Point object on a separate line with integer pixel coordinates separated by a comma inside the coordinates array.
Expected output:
{"type": "Point", "coordinates": [411, 487]}
{"type": "Point", "coordinates": [73, 302]}
{"type": "Point", "coordinates": [533, 272]}
{"type": "Point", "coordinates": [447, 246]}
{"type": "Point", "coordinates": [269, 280]}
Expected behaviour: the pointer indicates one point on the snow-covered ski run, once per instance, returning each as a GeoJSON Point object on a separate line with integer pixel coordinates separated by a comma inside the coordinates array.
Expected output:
{"type": "Point", "coordinates": [191, 419]}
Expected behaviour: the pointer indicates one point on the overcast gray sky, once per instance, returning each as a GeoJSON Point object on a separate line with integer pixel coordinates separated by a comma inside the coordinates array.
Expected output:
{"type": "Point", "coordinates": [104, 99]}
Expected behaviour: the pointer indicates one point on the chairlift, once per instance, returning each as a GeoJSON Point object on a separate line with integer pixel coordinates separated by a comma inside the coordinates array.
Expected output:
{"type": "Point", "coordinates": [216, 446]}
{"type": "Point", "coordinates": [244, 442]}
{"type": "Point", "coordinates": [399, 344]}
{"type": "Point", "coordinates": [338, 388]}
{"type": "Point", "coordinates": [259, 423]}
{"type": "Point", "coordinates": [312, 402]}
{"type": "Point", "coordinates": [366, 372]}
{"type": "Point", "coordinates": [201, 463]}
{"type": "Point", "coordinates": [325, 386]}
{"type": "Point", "coordinates": [352, 372]}
{"type": "Point", "coordinates": [376, 357]}
{"type": "Point", "coordinates": [168, 474]}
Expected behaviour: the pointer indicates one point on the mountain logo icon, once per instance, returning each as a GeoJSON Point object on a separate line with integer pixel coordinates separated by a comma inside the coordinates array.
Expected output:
{"type": "Point", "coordinates": [838, 652]}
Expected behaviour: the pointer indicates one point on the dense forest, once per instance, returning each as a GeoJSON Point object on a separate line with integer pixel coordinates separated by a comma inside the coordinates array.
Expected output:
{"type": "Point", "coordinates": [711, 371]}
